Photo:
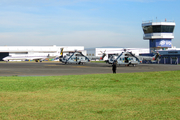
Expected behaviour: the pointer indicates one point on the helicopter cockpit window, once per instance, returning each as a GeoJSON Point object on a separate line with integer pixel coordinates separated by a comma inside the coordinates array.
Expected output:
{"type": "Point", "coordinates": [126, 59]}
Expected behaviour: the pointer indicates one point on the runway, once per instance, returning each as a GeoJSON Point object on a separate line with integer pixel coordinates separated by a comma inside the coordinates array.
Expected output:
{"type": "Point", "coordinates": [58, 69]}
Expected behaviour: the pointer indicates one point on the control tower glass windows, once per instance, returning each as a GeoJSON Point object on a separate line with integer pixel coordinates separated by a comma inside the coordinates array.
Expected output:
{"type": "Point", "coordinates": [168, 29]}
{"type": "Point", "coordinates": [147, 29]}
{"type": "Point", "coordinates": [158, 29]}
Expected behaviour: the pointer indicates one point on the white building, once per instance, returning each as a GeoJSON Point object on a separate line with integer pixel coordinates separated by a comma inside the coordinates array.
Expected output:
{"type": "Point", "coordinates": [36, 50]}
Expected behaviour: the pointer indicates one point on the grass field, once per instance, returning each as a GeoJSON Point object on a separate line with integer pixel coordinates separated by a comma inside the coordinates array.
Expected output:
{"type": "Point", "coordinates": [146, 95]}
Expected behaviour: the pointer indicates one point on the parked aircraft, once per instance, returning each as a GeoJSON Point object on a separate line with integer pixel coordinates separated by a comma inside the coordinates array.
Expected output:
{"type": "Point", "coordinates": [78, 58]}
{"type": "Point", "coordinates": [127, 58]}
{"type": "Point", "coordinates": [149, 58]}
{"type": "Point", "coordinates": [35, 57]}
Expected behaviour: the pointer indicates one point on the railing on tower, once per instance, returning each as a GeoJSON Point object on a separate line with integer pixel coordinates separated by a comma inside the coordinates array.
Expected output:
{"type": "Point", "coordinates": [150, 21]}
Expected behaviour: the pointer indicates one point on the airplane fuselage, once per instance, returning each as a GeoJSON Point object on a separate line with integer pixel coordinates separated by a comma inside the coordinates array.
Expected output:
{"type": "Point", "coordinates": [27, 57]}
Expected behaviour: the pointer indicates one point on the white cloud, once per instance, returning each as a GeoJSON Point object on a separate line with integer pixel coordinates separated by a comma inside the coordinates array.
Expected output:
{"type": "Point", "coordinates": [83, 38]}
{"type": "Point", "coordinates": [45, 22]}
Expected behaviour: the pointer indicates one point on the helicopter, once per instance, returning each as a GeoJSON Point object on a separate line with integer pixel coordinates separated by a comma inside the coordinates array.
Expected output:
{"type": "Point", "coordinates": [149, 58]}
{"type": "Point", "coordinates": [127, 58]}
{"type": "Point", "coordinates": [77, 57]}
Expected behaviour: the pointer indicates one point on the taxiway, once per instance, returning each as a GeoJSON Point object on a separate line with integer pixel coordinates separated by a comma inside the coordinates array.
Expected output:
{"type": "Point", "coordinates": [58, 69]}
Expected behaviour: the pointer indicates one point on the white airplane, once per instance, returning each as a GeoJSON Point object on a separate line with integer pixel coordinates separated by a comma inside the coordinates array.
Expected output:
{"type": "Point", "coordinates": [35, 57]}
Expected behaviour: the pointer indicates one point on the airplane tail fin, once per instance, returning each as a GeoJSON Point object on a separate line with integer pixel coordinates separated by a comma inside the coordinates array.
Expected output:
{"type": "Point", "coordinates": [61, 54]}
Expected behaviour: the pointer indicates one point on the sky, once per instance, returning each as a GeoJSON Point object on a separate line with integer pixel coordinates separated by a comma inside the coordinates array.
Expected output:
{"type": "Point", "coordinates": [88, 23]}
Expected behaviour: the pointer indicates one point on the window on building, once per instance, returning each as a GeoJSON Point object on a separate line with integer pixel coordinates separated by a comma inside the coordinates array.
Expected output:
{"type": "Point", "coordinates": [158, 29]}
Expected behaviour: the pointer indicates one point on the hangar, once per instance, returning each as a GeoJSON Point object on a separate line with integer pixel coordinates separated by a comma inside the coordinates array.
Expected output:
{"type": "Point", "coordinates": [35, 50]}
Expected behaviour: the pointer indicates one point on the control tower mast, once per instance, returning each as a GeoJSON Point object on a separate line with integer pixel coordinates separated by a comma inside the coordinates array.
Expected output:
{"type": "Point", "coordinates": [159, 34]}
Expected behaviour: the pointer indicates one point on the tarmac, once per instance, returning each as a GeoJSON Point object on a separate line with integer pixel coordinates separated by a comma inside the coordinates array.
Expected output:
{"type": "Point", "coordinates": [59, 69]}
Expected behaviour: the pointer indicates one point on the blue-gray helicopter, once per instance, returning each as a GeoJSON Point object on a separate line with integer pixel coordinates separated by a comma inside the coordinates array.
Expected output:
{"type": "Point", "coordinates": [127, 58]}
{"type": "Point", "coordinates": [77, 57]}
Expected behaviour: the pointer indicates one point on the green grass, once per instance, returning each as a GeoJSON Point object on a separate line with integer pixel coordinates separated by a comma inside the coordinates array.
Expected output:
{"type": "Point", "coordinates": [147, 95]}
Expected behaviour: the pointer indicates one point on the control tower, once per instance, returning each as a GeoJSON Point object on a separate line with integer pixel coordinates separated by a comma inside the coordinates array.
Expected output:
{"type": "Point", "coordinates": [159, 34]}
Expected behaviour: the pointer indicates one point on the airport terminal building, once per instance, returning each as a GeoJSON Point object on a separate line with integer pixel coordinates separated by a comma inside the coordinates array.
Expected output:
{"type": "Point", "coordinates": [160, 35]}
